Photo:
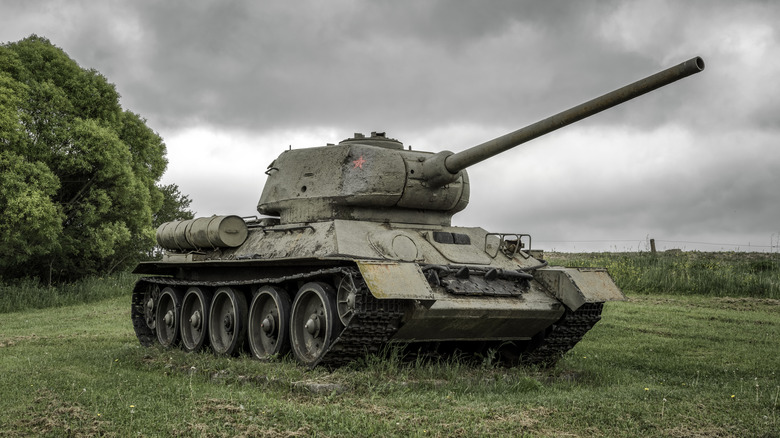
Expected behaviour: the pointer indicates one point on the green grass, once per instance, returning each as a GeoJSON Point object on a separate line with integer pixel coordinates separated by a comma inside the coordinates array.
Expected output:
{"type": "Point", "coordinates": [724, 274]}
{"type": "Point", "coordinates": [654, 366]}
{"type": "Point", "coordinates": [32, 294]}
{"type": "Point", "coordinates": [694, 352]}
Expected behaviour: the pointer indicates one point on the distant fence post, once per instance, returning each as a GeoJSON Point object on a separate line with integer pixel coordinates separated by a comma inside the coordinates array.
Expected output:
{"type": "Point", "coordinates": [652, 246]}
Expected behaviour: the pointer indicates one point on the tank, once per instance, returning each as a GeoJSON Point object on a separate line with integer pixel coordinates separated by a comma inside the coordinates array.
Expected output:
{"type": "Point", "coordinates": [355, 250]}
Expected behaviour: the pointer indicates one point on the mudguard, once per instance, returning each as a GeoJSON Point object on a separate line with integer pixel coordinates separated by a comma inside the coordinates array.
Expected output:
{"type": "Point", "coordinates": [577, 286]}
{"type": "Point", "coordinates": [395, 280]}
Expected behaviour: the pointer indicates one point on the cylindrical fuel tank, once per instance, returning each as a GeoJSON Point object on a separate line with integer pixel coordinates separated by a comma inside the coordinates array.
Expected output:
{"type": "Point", "coordinates": [203, 232]}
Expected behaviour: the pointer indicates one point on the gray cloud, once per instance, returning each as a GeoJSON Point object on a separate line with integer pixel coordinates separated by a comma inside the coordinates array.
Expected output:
{"type": "Point", "coordinates": [696, 160]}
{"type": "Point", "coordinates": [259, 64]}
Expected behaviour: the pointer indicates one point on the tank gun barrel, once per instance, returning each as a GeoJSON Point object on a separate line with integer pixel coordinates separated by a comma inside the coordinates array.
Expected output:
{"type": "Point", "coordinates": [443, 168]}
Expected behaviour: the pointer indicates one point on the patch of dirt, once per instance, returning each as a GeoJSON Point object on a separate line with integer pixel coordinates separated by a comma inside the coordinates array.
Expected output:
{"type": "Point", "coordinates": [322, 388]}
{"type": "Point", "coordinates": [705, 432]}
{"type": "Point", "coordinates": [649, 299]}
{"type": "Point", "coordinates": [51, 416]}
{"type": "Point", "coordinates": [222, 418]}
{"type": "Point", "coordinates": [10, 342]}
{"type": "Point", "coordinates": [747, 304]}
{"type": "Point", "coordinates": [526, 418]}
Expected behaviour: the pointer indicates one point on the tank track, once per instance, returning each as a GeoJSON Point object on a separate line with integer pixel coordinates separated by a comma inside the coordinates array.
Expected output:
{"type": "Point", "coordinates": [144, 334]}
{"type": "Point", "coordinates": [374, 322]}
{"type": "Point", "coordinates": [563, 335]}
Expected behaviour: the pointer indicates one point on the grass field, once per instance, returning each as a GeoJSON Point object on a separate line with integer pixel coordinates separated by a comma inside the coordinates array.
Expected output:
{"type": "Point", "coordinates": [661, 364]}
{"type": "Point", "coordinates": [719, 274]}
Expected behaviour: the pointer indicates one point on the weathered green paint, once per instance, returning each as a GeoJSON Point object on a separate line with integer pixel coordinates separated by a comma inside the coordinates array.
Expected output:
{"type": "Point", "coordinates": [358, 181]}
{"type": "Point", "coordinates": [577, 286]}
{"type": "Point", "coordinates": [395, 280]}
{"type": "Point", "coordinates": [203, 232]}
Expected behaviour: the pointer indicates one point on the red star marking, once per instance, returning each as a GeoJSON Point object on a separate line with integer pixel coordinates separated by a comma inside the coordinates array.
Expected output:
{"type": "Point", "coordinates": [359, 162]}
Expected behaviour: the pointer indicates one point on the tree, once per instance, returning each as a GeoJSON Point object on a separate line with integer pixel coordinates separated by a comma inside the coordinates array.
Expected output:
{"type": "Point", "coordinates": [79, 173]}
{"type": "Point", "coordinates": [26, 190]}
{"type": "Point", "coordinates": [175, 206]}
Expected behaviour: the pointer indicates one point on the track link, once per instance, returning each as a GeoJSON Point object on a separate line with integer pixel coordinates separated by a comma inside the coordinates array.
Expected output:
{"type": "Point", "coordinates": [563, 335]}
{"type": "Point", "coordinates": [146, 336]}
{"type": "Point", "coordinates": [374, 323]}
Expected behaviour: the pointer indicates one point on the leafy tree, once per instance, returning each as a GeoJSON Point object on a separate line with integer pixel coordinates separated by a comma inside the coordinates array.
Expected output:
{"type": "Point", "coordinates": [175, 206]}
{"type": "Point", "coordinates": [12, 98]}
{"type": "Point", "coordinates": [26, 191]}
{"type": "Point", "coordinates": [79, 183]}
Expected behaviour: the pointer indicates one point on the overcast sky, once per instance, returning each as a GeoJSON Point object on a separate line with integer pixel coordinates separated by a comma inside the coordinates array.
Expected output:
{"type": "Point", "coordinates": [229, 85]}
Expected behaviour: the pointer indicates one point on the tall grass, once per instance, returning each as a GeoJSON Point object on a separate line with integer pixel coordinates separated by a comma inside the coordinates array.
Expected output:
{"type": "Point", "coordinates": [731, 274]}
{"type": "Point", "coordinates": [32, 294]}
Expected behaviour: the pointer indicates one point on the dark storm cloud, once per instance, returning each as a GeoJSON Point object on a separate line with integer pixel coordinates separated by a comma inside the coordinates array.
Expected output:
{"type": "Point", "coordinates": [286, 64]}
{"type": "Point", "coordinates": [262, 64]}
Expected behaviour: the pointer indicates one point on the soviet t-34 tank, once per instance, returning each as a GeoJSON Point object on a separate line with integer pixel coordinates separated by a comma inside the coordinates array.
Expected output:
{"type": "Point", "coordinates": [357, 250]}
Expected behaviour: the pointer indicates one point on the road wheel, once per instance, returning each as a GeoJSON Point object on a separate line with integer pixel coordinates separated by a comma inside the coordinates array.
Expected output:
{"type": "Point", "coordinates": [269, 325]}
{"type": "Point", "coordinates": [227, 321]}
{"type": "Point", "coordinates": [167, 317]}
{"type": "Point", "coordinates": [194, 319]}
{"type": "Point", "coordinates": [314, 323]}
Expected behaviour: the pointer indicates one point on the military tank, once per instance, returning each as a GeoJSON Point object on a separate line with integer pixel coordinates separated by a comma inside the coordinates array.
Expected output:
{"type": "Point", "coordinates": [355, 250]}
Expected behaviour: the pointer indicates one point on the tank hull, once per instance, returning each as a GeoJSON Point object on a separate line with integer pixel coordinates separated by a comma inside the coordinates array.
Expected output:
{"type": "Point", "coordinates": [388, 283]}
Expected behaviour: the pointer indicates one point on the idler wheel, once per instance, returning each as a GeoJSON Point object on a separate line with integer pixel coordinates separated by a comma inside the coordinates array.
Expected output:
{"type": "Point", "coordinates": [167, 316]}
{"type": "Point", "coordinates": [194, 319]}
{"type": "Point", "coordinates": [314, 323]}
{"type": "Point", "coordinates": [227, 321]}
{"type": "Point", "coordinates": [269, 323]}
{"type": "Point", "coordinates": [151, 297]}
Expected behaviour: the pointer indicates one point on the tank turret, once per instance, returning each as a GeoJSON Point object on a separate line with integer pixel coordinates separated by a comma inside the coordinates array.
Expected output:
{"type": "Point", "coordinates": [375, 179]}
{"type": "Point", "coordinates": [361, 178]}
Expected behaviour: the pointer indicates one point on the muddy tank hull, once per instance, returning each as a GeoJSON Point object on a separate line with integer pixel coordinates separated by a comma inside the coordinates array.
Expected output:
{"type": "Point", "coordinates": [363, 286]}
